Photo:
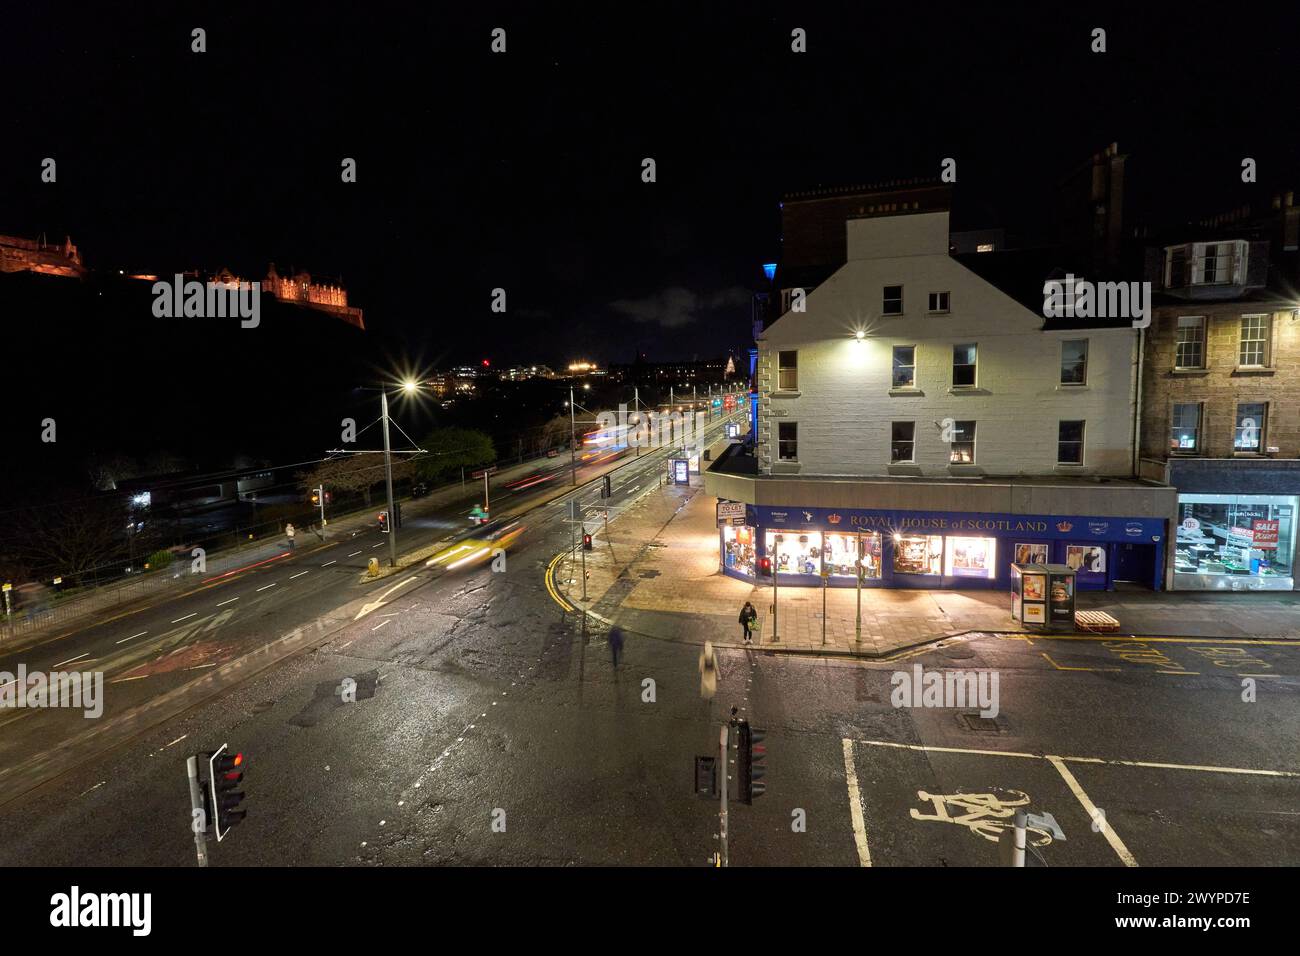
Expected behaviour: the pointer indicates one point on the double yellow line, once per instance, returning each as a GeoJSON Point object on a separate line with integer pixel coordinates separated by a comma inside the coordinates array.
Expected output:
{"type": "Point", "coordinates": [550, 583]}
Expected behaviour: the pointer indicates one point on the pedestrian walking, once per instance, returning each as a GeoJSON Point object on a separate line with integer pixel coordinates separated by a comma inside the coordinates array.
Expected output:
{"type": "Point", "coordinates": [747, 618]}
{"type": "Point", "coordinates": [708, 672]}
{"type": "Point", "coordinates": [289, 530]}
{"type": "Point", "coordinates": [615, 643]}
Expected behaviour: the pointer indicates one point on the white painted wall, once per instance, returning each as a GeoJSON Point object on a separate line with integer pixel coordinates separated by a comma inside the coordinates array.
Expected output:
{"type": "Point", "coordinates": [844, 405]}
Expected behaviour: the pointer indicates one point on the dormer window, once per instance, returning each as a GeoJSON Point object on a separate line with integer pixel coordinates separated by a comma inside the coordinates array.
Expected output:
{"type": "Point", "coordinates": [1206, 263]}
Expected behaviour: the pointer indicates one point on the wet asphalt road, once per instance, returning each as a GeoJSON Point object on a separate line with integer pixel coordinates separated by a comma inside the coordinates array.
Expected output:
{"type": "Point", "coordinates": [490, 728]}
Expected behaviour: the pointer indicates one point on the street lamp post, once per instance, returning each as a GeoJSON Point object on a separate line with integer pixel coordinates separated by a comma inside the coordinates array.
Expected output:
{"type": "Point", "coordinates": [388, 481]}
{"type": "Point", "coordinates": [573, 438]}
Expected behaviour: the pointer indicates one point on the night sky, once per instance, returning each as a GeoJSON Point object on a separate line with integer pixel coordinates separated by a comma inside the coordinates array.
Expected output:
{"type": "Point", "coordinates": [523, 170]}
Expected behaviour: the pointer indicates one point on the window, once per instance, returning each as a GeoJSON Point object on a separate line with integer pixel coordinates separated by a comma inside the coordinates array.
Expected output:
{"type": "Point", "coordinates": [893, 300]}
{"type": "Point", "coordinates": [787, 441]}
{"type": "Point", "coordinates": [795, 553]}
{"type": "Point", "coordinates": [1217, 262]}
{"type": "Point", "coordinates": [963, 366]}
{"type": "Point", "coordinates": [1185, 428]}
{"type": "Point", "coordinates": [902, 442]}
{"type": "Point", "coordinates": [1249, 433]}
{"type": "Point", "coordinates": [1069, 443]}
{"type": "Point", "coordinates": [962, 448]}
{"type": "Point", "coordinates": [1074, 362]}
{"type": "Point", "coordinates": [939, 301]}
{"type": "Point", "coordinates": [904, 366]}
{"type": "Point", "coordinates": [918, 553]}
{"type": "Point", "coordinates": [1254, 341]}
{"type": "Point", "coordinates": [787, 371]}
{"type": "Point", "coordinates": [984, 247]}
{"type": "Point", "coordinates": [1235, 541]}
{"type": "Point", "coordinates": [1189, 350]}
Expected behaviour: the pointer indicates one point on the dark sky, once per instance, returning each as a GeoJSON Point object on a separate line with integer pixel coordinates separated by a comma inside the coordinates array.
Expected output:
{"type": "Point", "coordinates": [522, 170]}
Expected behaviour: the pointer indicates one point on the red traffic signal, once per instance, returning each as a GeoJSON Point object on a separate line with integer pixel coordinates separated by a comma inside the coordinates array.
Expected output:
{"type": "Point", "coordinates": [765, 565]}
{"type": "Point", "coordinates": [586, 542]}
{"type": "Point", "coordinates": [225, 776]}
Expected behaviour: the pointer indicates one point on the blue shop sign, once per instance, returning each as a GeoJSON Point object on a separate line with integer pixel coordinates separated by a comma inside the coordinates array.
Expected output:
{"type": "Point", "coordinates": [1057, 527]}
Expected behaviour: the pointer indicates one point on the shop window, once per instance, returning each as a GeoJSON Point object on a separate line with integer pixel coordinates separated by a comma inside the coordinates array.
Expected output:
{"type": "Point", "coordinates": [1074, 362]}
{"type": "Point", "coordinates": [795, 553]}
{"type": "Point", "coordinates": [1086, 558]}
{"type": "Point", "coordinates": [1185, 428]}
{"type": "Point", "coordinates": [738, 549]}
{"type": "Point", "coordinates": [1249, 432]}
{"type": "Point", "coordinates": [840, 552]}
{"type": "Point", "coordinates": [902, 442]}
{"type": "Point", "coordinates": [787, 441]}
{"type": "Point", "coordinates": [918, 553]}
{"type": "Point", "coordinates": [1253, 351]}
{"type": "Point", "coordinates": [904, 366]}
{"type": "Point", "coordinates": [1069, 443]}
{"type": "Point", "coordinates": [939, 301]}
{"type": "Point", "coordinates": [963, 366]}
{"type": "Point", "coordinates": [1189, 348]}
{"type": "Point", "coordinates": [787, 371]}
{"type": "Point", "coordinates": [1031, 553]}
{"type": "Point", "coordinates": [962, 448]}
{"type": "Point", "coordinates": [971, 557]}
{"type": "Point", "coordinates": [1232, 541]}
{"type": "Point", "coordinates": [893, 300]}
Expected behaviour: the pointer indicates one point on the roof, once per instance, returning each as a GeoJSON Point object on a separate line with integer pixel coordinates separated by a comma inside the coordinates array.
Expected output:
{"type": "Point", "coordinates": [1021, 274]}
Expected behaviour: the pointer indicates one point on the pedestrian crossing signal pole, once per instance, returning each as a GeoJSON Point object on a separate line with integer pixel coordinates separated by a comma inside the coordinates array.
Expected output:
{"type": "Point", "coordinates": [722, 811]}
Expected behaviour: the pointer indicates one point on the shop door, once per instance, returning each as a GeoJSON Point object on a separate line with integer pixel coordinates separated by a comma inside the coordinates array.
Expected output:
{"type": "Point", "coordinates": [1135, 563]}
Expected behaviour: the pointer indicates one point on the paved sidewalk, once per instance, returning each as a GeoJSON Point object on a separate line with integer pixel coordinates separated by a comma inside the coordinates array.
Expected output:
{"type": "Point", "coordinates": [655, 573]}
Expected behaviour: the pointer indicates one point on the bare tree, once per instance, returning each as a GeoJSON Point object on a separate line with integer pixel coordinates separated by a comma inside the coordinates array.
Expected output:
{"type": "Point", "coordinates": [356, 473]}
{"type": "Point", "coordinates": [69, 537]}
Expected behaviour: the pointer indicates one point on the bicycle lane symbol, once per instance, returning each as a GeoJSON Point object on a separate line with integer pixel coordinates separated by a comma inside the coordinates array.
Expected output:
{"type": "Point", "coordinates": [985, 814]}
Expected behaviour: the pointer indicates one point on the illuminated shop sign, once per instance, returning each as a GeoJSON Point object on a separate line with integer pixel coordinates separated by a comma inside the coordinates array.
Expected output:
{"type": "Point", "coordinates": [1069, 527]}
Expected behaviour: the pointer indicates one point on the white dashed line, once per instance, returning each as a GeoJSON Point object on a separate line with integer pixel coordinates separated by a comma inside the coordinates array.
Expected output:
{"type": "Point", "coordinates": [373, 546]}
{"type": "Point", "coordinates": [71, 659]}
{"type": "Point", "coordinates": [186, 617]}
{"type": "Point", "coordinates": [328, 563]}
{"type": "Point", "coordinates": [378, 626]}
{"type": "Point", "coordinates": [176, 741]}
{"type": "Point", "coordinates": [268, 586]}
{"type": "Point", "coordinates": [227, 602]}
{"type": "Point", "coordinates": [354, 554]}
{"type": "Point", "coordinates": [299, 574]}
{"type": "Point", "coordinates": [132, 637]}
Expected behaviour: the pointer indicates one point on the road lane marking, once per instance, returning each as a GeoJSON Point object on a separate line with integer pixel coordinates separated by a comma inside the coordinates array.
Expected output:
{"type": "Point", "coordinates": [227, 602]}
{"type": "Point", "coordinates": [186, 617]}
{"type": "Point", "coordinates": [299, 574]}
{"type": "Point", "coordinates": [123, 680]}
{"type": "Point", "coordinates": [1280, 642]}
{"type": "Point", "coordinates": [373, 546]}
{"type": "Point", "coordinates": [328, 563]}
{"type": "Point", "coordinates": [380, 624]}
{"type": "Point", "coordinates": [71, 659]}
{"type": "Point", "coordinates": [1062, 667]}
{"type": "Point", "coordinates": [198, 667]}
{"type": "Point", "coordinates": [176, 741]}
{"type": "Point", "coordinates": [354, 554]}
{"type": "Point", "coordinates": [132, 637]}
{"type": "Point", "coordinates": [855, 806]}
{"type": "Point", "coordinates": [95, 787]}
{"type": "Point", "coordinates": [1092, 812]}
{"type": "Point", "coordinates": [271, 585]}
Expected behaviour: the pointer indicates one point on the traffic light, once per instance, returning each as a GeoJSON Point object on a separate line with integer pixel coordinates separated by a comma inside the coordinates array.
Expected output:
{"type": "Point", "coordinates": [751, 762]}
{"type": "Point", "coordinates": [765, 566]}
{"type": "Point", "coordinates": [225, 777]}
{"type": "Point", "coordinates": [586, 541]}
{"type": "Point", "coordinates": [383, 522]}
{"type": "Point", "coordinates": [315, 497]}
{"type": "Point", "coordinates": [606, 489]}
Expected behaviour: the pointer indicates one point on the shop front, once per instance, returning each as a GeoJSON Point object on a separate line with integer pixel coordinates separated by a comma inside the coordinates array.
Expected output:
{"type": "Point", "coordinates": [1235, 542]}
{"type": "Point", "coordinates": [1236, 524]}
{"type": "Point", "coordinates": [921, 549]}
